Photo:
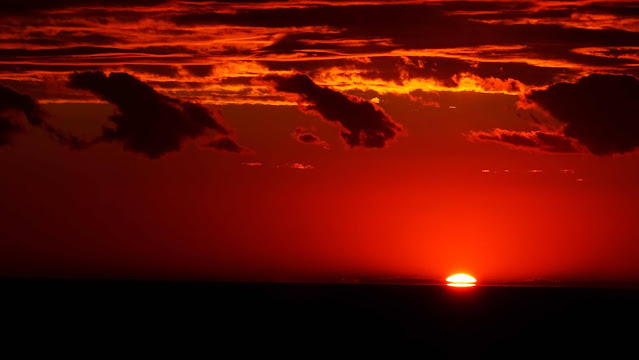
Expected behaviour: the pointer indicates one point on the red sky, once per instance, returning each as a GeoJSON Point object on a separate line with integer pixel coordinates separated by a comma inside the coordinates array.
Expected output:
{"type": "Point", "coordinates": [310, 140]}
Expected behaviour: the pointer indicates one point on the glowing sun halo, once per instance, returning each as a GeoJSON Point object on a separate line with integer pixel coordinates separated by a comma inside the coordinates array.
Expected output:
{"type": "Point", "coordinates": [461, 280]}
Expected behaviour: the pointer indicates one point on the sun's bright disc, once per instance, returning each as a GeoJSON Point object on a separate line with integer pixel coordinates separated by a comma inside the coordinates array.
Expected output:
{"type": "Point", "coordinates": [461, 280]}
{"type": "Point", "coordinates": [460, 285]}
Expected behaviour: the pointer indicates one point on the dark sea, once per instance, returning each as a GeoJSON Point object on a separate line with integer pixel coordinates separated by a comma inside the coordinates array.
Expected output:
{"type": "Point", "coordinates": [237, 320]}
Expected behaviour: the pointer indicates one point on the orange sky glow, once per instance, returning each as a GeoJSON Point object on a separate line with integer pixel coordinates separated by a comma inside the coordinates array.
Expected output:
{"type": "Point", "coordinates": [313, 140]}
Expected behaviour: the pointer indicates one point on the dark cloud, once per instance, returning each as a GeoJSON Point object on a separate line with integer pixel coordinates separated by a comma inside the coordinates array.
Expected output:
{"type": "Point", "coordinates": [199, 70]}
{"type": "Point", "coordinates": [620, 52]}
{"type": "Point", "coordinates": [241, 80]}
{"type": "Point", "coordinates": [526, 73]}
{"type": "Point", "coordinates": [305, 136]}
{"type": "Point", "coordinates": [7, 129]}
{"type": "Point", "coordinates": [600, 111]}
{"type": "Point", "coordinates": [290, 43]}
{"type": "Point", "coordinates": [31, 6]}
{"type": "Point", "coordinates": [148, 122]}
{"type": "Point", "coordinates": [358, 21]}
{"type": "Point", "coordinates": [22, 68]}
{"type": "Point", "coordinates": [11, 54]}
{"type": "Point", "coordinates": [619, 8]}
{"type": "Point", "coordinates": [406, 25]}
{"type": "Point", "coordinates": [63, 38]}
{"type": "Point", "coordinates": [534, 140]}
{"type": "Point", "coordinates": [10, 101]}
{"type": "Point", "coordinates": [308, 138]}
{"type": "Point", "coordinates": [362, 123]}
{"type": "Point", "coordinates": [225, 144]}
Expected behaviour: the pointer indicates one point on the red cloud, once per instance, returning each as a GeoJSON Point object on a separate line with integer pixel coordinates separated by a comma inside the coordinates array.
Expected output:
{"type": "Point", "coordinates": [534, 140]}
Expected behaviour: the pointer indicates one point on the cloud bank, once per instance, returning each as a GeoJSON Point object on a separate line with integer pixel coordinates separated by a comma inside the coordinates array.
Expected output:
{"type": "Point", "coordinates": [600, 111]}
{"type": "Point", "coordinates": [532, 140]}
{"type": "Point", "coordinates": [599, 114]}
{"type": "Point", "coordinates": [148, 122]}
{"type": "Point", "coordinates": [361, 122]}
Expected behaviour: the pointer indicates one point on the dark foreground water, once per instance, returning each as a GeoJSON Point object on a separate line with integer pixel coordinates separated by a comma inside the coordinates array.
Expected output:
{"type": "Point", "coordinates": [213, 318]}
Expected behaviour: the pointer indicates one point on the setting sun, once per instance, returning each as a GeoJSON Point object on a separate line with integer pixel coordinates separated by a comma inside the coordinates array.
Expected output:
{"type": "Point", "coordinates": [302, 173]}
{"type": "Point", "coordinates": [461, 280]}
